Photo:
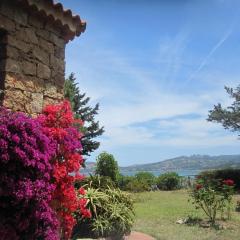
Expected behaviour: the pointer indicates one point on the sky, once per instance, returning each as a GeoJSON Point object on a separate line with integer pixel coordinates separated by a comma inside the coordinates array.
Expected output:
{"type": "Point", "coordinates": [157, 68]}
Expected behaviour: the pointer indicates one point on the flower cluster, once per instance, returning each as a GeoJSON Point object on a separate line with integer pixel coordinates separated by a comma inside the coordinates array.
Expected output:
{"type": "Point", "coordinates": [228, 182]}
{"type": "Point", "coordinates": [59, 124]}
{"type": "Point", "coordinates": [86, 213]}
{"type": "Point", "coordinates": [25, 179]}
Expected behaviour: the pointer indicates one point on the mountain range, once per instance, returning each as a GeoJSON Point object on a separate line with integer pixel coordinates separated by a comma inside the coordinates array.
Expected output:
{"type": "Point", "coordinates": [194, 162]}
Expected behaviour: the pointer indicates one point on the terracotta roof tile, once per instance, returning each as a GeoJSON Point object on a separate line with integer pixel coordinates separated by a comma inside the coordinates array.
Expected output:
{"type": "Point", "coordinates": [71, 24]}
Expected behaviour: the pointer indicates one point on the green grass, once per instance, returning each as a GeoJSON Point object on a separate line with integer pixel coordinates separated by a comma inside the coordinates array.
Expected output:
{"type": "Point", "coordinates": [157, 213]}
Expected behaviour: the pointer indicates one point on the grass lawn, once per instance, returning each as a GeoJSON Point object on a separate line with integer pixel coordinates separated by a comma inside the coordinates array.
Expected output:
{"type": "Point", "coordinates": [157, 212]}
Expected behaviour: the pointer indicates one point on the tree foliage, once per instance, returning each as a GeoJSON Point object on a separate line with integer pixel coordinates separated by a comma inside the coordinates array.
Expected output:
{"type": "Point", "coordinates": [107, 166]}
{"type": "Point", "coordinates": [80, 105]}
{"type": "Point", "coordinates": [229, 117]}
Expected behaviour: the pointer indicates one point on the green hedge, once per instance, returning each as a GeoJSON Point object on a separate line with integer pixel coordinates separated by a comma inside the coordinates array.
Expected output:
{"type": "Point", "coordinates": [168, 181]}
{"type": "Point", "coordinates": [140, 182]}
{"type": "Point", "coordinates": [222, 174]}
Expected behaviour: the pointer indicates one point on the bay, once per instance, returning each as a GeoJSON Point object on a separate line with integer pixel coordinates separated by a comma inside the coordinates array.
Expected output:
{"type": "Point", "coordinates": [180, 172]}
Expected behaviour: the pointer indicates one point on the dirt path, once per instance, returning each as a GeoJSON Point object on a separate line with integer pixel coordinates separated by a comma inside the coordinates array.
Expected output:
{"type": "Point", "coordinates": [133, 236]}
{"type": "Point", "coordinates": [138, 236]}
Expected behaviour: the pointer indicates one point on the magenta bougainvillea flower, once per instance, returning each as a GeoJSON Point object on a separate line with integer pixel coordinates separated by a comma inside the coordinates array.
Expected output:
{"type": "Point", "coordinates": [25, 174]}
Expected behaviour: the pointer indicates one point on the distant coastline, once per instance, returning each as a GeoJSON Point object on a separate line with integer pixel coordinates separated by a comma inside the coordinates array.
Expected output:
{"type": "Point", "coordinates": [183, 165]}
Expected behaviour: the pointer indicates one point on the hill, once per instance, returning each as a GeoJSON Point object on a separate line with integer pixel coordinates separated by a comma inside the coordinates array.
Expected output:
{"type": "Point", "coordinates": [194, 162]}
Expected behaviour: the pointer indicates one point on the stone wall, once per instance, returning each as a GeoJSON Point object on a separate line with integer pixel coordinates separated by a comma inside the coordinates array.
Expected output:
{"type": "Point", "coordinates": [31, 59]}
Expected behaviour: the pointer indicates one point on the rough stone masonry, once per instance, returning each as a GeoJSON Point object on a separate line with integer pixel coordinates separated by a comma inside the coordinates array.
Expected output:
{"type": "Point", "coordinates": [33, 35]}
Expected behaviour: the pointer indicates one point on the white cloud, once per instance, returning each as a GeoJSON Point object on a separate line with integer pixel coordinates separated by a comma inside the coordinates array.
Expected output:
{"type": "Point", "coordinates": [129, 94]}
{"type": "Point", "coordinates": [210, 53]}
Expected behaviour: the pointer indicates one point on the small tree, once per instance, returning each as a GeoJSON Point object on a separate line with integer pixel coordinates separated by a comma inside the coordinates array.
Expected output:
{"type": "Point", "coordinates": [229, 117]}
{"type": "Point", "coordinates": [107, 166]}
{"type": "Point", "coordinates": [82, 110]}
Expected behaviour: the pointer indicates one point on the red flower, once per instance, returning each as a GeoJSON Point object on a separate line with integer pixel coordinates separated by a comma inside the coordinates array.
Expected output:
{"type": "Point", "coordinates": [82, 202]}
{"type": "Point", "coordinates": [86, 213]}
{"type": "Point", "coordinates": [82, 191]}
{"type": "Point", "coordinates": [59, 124]}
{"type": "Point", "coordinates": [199, 186]}
{"type": "Point", "coordinates": [228, 182]}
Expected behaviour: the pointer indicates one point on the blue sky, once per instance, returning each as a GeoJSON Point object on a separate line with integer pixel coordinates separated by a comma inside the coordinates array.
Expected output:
{"type": "Point", "coordinates": [157, 68]}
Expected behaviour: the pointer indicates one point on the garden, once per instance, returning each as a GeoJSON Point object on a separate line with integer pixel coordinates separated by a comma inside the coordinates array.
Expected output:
{"type": "Point", "coordinates": [49, 129]}
{"type": "Point", "coordinates": [207, 207]}
{"type": "Point", "coordinates": [44, 196]}
{"type": "Point", "coordinates": [157, 213]}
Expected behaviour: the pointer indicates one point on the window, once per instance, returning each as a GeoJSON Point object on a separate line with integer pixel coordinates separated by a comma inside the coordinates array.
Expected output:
{"type": "Point", "coordinates": [3, 49]}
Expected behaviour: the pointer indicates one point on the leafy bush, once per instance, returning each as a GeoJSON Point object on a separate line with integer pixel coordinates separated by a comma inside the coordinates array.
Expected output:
{"type": "Point", "coordinates": [212, 200]}
{"type": "Point", "coordinates": [112, 214]}
{"type": "Point", "coordinates": [25, 174]}
{"type": "Point", "coordinates": [146, 177]}
{"type": "Point", "coordinates": [168, 181]}
{"type": "Point", "coordinates": [142, 181]}
{"type": "Point", "coordinates": [215, 176]}
{"type": "Point", "coordinates": [96, 182]}
{"type": "Point", "coordinates": [137, 186]}
{"type": "Point", "coordinates": [123, 181]}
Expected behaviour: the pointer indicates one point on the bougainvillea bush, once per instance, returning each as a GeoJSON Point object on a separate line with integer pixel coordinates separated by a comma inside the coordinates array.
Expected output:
{"type": "Point", "coordinates": [25, 174]}
{"type": "Point", "coordinates": [60, 125]}
{"type": "Point", "coordinates": [40, 161]}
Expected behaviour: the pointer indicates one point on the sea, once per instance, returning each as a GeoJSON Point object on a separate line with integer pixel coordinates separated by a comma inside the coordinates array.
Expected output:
{"type": "Point", "coordinates": [180, 172]}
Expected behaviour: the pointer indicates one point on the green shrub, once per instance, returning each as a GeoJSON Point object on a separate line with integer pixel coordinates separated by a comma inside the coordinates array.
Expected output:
{"type": "Point", "coordinates": [168, 181]}
{"type": "Point", "coordinates": [142, 181]}
{"type": "Point", "coordinates": [137, 186]}
{"type": "Point", "coordinates": [215, 176]}
{"type": "Point", "coordinates": [146, 177]}
{"type": "Point", "coordinates": [95, 181]}
{"type": "Point", "coordinates": [123, 181]}
{"type": "Point", "coordinates": [112, 214]}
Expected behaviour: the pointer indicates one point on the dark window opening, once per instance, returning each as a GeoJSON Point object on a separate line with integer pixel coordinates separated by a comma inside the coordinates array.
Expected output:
{"type": "Point", "coordinates": [3, 49]}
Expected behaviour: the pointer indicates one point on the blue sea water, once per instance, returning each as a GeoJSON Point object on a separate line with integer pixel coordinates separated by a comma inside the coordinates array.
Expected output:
{"type": "Point", "coordinates": [180, 172]}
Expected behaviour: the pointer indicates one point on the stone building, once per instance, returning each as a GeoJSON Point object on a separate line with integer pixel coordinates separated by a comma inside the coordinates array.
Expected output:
{"type": "Point", "coordinates": [33, 35]}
